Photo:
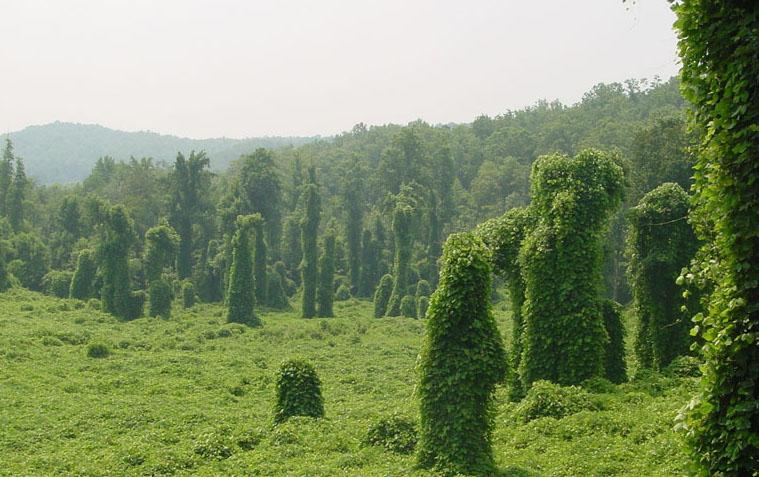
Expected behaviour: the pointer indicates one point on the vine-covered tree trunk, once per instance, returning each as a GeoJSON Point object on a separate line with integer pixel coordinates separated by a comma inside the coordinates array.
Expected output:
{"type": "Point", "coordinates": [308, 237]}
{"type": "Point", "coordinates": [461, 360]}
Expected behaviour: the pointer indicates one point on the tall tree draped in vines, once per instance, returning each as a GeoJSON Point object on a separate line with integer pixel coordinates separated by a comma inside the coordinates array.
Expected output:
{"type": "Point", "coordinates": [116, 238]}
{"type": "Point", "coordinates": [326, 290]}
{"type": "Point", "coordinates": [660, 243]}
{"type": "Point", "coordinates": [4, 282]}
{"type": "Point", "coordinates": [189, 181]}
{"type": "Point", "coordinates": [503, 236]}
{"type": "Point", "coordinates": [719, 47]}
{"type": "Point", "coordinates": [241, 297]}
{"type": "Point", "coordinates": [83, 282]}
{"type": "Point", "coordinates": [308, 235]}
{"type": "Point", "coordinates": [433, 241]}
{"type": "Point", "coordinates": [16, 196]}
{"type": "Point", "coordinates": [572, 198]}
{"type": "Point", "coordinates": [259, 263]}
{"type": "Point", "coordinates": [353, 204]}
{"type": "Point", "coordinates": [6, 176]}
{"type": "Point", "coordinates": [403, 218]}
{"type": "Point", "coordinates": [259, 189]}
{"type": "Point", "coordinates": [369, 265]}
{"type": "Point", "coordinates": [161, 244]}
{"type": "Point", "coordinates": [461, 361]}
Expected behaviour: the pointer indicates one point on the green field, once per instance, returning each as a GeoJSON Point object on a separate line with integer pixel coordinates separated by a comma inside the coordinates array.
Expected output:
{"type": "Point", "coordinates": [193, 395]}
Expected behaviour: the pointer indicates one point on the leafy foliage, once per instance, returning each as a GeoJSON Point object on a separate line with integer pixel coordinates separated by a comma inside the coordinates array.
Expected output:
{"type": "Point", "coordinates": [564, 337]}
{"type": "Point", "coordinates": [116, 238]}
{"type": "Point", "coordinates": [615, 366]}
{"type": "Point", "coordinates": [160, 295]}
{"type": "Point", "coordinates": [461, 360]}
{"type": "Point", "coordinates": [57, 283]}
{"type": "Point", "coordinates": [660, 243]}
{"type": "Point", "coordinates": [188, 294]}
{"type": "Point", "coordinates": [503, 236]}
{"type": "Point", "coordinates": [382, 295]}
{"type": "Point", "coordinates": [395, 433]}
{"type": "Point", "coordinates": [403, 217]}
{"type": "Point", "coordinates": [308, 235]}
{"type": "Point", "coordinates": [298, 391]}
{"type": "Point", "coordinates": [719, 47]}
{"type": "Point", "coordinates": [83, 281]}
{"type": "Point", "coordinates": [408, 306]}
{"type": "Point", "coordinates": [241, 296]}
{"type": "Point", "coordinates": [326, 290]}
{"type": "Point", "coordinates": [546, 399]}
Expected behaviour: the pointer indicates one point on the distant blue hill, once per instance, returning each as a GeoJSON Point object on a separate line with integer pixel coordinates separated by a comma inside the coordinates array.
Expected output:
{"type": "Point", "coordinates": [65, 152]}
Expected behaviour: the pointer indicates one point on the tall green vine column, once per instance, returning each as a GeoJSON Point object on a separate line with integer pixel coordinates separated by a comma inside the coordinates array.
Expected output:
{"type": "Point", "coordinates": [561, 258]}
{"type": "Point", "coordinates": [461, 361]}
{"type": "Point", "coordinates": [659, 244]}
{"type": "Point", "coordinates": [308, 235]}
{"type": "Point", "coordinates": [116, 237]}
{"type": "Point", "coordinates": [326, 293]}
{"type": "Point", "coordinates": [719, 47]}
{"type": "Point", "coordinates": [503, 236]}
{"type": "Point", "coordinates": [241, 297]}
{"type": "Point", "coordinates": [161, 246]}
{"type": "Point", "coordinates": [259, 263]}
{"type": "Point", "coordinates": [403, 218]}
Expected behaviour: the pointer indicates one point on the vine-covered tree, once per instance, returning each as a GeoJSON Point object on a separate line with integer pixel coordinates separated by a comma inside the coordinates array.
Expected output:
{"type": "Point", "coordinates": [403, 219]}
{"type": "Point", "coordinates": [353, 189]}
{"type": "Point", "coordinates": [259, 189]}
{"type": "Point", "coordinates": [719, 47]}
{"type": "Point", "coordinates": [382, 295]}
{"type": "Point", "coordinates": [504, 236]}
{"type": "Point", "coordinates": [83, 281]}
{"type": "Point", "coordinates": [369, 265]}
{"type": "Point", "coordinates": [615, 366]}
{"type": "Point", "coordinates": [309, 246]}
{"type": "Point", "coordinates": [241, 297]}
{"type": "Point", "coordinates": [17, 195]}
{"type": "Point", "coordinates": [116, 237]}
{"type": "Point", "coordinates": [461, 361]}
{"type": "Point", "coordinates": [573, 198]}
{"type": "Point", "coordinates": [259, 263]}
{"type": "Point", "coordinates": [161, 244]}
{"type": "Point", "coordinates": [6, 176]}
{"type": "Point", "coordinates": [660, 243]}
{"type": "Point", "coordinates": [326, 290]}
{"type": "Point", "coordinates": [189, 183]}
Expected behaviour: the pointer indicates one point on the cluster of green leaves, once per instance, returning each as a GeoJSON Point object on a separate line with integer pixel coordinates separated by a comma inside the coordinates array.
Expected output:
{"type": "Point", "coordinates": [661, 243]}
{"type": "Point", "coordinates": [461, 361]}
{"type": "Point", "coordinates": [615, 364]}
{"type": "Point", "coordinates": [298, 391]}
{"type": "Point", "coordinates": [719, 45]}
{"type": "Point", "coordinates": [572, 198]}
{"type": "Point", "coordinates": [403, 221]}
{"type": "Point", "coordinates": [395, 433]}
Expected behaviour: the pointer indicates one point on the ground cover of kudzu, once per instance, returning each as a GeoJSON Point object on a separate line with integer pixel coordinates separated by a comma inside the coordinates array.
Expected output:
{"type": "Point", "coordinates": [84, 394]}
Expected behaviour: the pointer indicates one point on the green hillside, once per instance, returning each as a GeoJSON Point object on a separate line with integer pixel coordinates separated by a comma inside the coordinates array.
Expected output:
{"type": "Point", "coordinates": [193, 395]}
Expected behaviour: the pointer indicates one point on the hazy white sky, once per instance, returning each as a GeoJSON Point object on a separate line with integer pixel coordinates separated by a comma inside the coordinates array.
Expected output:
{"type": "Point", "coordinates": [205, 68]}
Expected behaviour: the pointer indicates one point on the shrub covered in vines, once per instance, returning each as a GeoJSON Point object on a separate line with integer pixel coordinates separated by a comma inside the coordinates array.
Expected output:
{"type": "Point", "coordinates": [83, 281]}
{"type": "Point", "coordinates": [659, 244]}
{"type": "Point", "coordinates": [461, 361]}
{"type": "Point", "coordinates": [561, 258]}
{"type": "Point", "coordinates": [298, 391]}
{"type": "Point", "coordinates": [325, 294]}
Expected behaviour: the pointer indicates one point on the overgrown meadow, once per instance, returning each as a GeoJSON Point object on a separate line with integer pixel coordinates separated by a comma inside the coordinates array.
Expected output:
{"type": "Point", "coordinates": [84, 394]}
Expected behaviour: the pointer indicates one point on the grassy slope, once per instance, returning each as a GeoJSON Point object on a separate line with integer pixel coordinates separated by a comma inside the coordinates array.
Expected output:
{"type": "Point", "coordinates": [175, 391]}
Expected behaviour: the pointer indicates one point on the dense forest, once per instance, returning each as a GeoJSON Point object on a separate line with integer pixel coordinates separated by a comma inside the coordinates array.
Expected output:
{"type": "Point", "coordinates": [562, 290]}
{"type": "Point", "coordinates": [453, 177]}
